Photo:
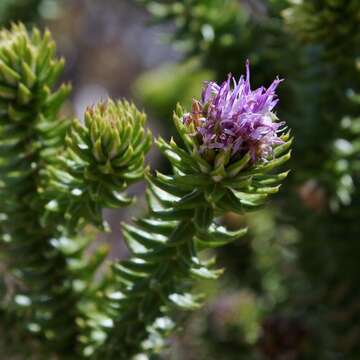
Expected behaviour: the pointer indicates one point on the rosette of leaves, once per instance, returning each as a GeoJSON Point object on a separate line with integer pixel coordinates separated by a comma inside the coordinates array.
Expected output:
{"type": "Point", "coordinates": [103, 156]}
{"type": "Point", "coordinates": [167, 245]}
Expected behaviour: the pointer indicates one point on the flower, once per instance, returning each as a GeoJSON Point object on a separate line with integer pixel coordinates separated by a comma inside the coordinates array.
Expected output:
{"type": "Point", "coordinates": [234, 118]}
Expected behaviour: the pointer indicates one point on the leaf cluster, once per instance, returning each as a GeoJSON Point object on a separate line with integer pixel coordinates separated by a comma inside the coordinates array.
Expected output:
{"type": "Point", "coordinates": [167, 246]}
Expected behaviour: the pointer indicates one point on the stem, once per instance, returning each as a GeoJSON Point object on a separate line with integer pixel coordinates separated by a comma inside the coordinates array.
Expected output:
{"type": "Point", "coordinates": [149, 297]}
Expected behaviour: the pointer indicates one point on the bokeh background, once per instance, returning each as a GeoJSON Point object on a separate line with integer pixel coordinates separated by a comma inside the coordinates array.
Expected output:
{"type": "Point", "coordinates": [291, 289]}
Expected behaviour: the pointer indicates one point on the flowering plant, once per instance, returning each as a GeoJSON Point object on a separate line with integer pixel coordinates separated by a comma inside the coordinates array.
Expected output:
{"type": "Point", "coordinates": [231, 145]}
{"type": "Point", "coordinates": [62, 173]}
{"type": "Point", "coordinates": [235, 119]}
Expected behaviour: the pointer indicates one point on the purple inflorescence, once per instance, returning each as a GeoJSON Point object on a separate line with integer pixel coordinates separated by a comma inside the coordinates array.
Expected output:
{"type": "Point", "coordinates": [234, 118]}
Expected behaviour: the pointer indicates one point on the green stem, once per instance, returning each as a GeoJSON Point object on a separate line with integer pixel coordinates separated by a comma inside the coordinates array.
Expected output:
{"type": "Point", "coordinates": [149, 297]}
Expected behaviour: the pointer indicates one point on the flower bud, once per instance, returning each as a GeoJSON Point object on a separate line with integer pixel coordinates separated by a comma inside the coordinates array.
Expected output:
{"type": "Point", "coordinates": [103, 156]}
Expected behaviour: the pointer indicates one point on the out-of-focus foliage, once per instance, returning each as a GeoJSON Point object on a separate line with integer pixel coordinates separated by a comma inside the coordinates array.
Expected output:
{"type": "Point", "coordinates": [14, 10]}
{"type": "Point", "coordinates": [224, 33]}
{"type": "Point", "coordinates": [334, 24]}
{"type": "Point", "coordinates": [218, 29]}
{"type": "Point", "coordinates": [345, 162]}
{"type": "Point", "coordinates": [159, 90]}
{"type": "Point", "coordinates": [27, 10]}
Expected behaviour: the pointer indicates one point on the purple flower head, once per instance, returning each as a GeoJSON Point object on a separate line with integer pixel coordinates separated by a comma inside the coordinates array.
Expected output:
{"type": "Point", "coordinates": [235, 118]}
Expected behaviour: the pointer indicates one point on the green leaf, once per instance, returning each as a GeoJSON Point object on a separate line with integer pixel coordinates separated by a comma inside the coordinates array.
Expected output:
{"type": "Point", "coordinates": [184, 301]}
{"type": "Point", "coordinates": [204, 273]}
{"type": "Point", "coordinates": [29, 75]}
{"type": "Point", "coordinates": [191, 181]}
{"type": "Point", "coordinates": [275, 163]}
{"type": "Point", "coordinates": [9, 75]}
{"type": "Point", "coordinates": [7, 92]}
{"type": "Point", "coordinates": [182, 233]}
{"type": "Point", "coordinates": [155, 225]}
{"type": "Point", "coordinates": [203, 217]}
{"type": "Point", "coordinates": [234, 169]}
{"type": "Point", "coordinates": [191, 200]}
{"type": "Point", "coordinates": [281, 149]}
{"type": "Point", "coordinates": [218, 236]}
{"type": "Point", "coordinates": [23, 94]}
{"type": "Point", "coordinates": [167, 184]}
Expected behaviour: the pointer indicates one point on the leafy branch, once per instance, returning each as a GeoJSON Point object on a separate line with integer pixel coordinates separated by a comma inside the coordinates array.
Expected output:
{"type": "Point", "coordinates": [56, 176]}
{"type": "Point", "coordinates": [167, 245]}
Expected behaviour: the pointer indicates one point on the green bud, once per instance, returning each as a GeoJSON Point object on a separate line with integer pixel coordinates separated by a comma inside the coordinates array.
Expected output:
{"type": "Point", "coordinates": [104, 155]}
{"type": "Point", "coordinates": [112, 130]}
